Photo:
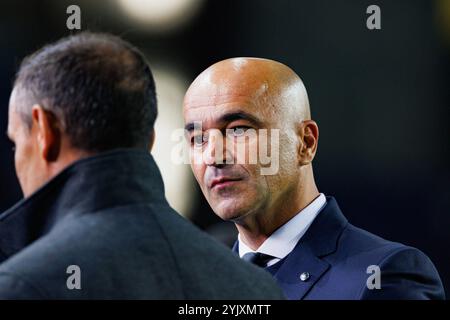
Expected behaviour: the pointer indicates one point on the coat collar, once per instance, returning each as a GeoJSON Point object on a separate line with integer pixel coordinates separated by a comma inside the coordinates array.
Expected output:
{"type": "Point", "coordinates": [107, 180]}
{"type": "Point", "coordinates": [320, 240]}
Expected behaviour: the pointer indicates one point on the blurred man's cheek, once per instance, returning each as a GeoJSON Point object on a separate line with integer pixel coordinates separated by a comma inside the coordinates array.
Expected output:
{"type": "Point", "coordinates": [198, 173]}
{"type": "Point", "coordinates": [26, 169]}
{"type": "Point", "coordinates": [20, 172]}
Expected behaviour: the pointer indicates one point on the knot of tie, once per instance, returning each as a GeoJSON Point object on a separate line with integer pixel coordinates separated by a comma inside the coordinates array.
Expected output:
{"type": "Point", "coordinates": [257, 258]}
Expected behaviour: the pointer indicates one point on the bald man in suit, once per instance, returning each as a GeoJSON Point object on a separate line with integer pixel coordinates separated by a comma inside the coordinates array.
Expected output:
{"type": "Point", "coordinates": [286, 225]}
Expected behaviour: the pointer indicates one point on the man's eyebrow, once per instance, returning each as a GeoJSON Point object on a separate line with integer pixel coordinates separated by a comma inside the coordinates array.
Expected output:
{"type": "Point", "coordinates": [229, 117]}
{"type": "Point", "coordinates": [240, 115]}
{"type": "Point", "coordinates": [189, 127]}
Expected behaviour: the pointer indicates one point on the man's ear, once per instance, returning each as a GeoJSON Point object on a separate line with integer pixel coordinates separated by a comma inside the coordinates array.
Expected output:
{"type": "Point", "coordinates": [152, 140]}
{"type": "Point", "coordinates": [309, 138]}
{"type": "Point", "coordinates": [48, 133]}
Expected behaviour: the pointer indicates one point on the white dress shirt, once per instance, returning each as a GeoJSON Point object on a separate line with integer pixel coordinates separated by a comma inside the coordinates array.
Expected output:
{"type": "Point", "coordinates": [284, 239]}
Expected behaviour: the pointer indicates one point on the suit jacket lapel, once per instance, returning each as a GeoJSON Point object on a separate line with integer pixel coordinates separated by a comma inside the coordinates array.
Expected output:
{"type": "Point", "coordinates": [301, 261]}
{"type": "Point", "coordinates": [320, 240]}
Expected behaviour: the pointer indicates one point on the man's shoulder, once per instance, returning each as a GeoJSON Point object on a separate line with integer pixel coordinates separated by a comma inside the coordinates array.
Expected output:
{"type": "Point", "coordinates": [360, 254]}
{"type": "Point", "coordinates": [119, 253]}
{"type": "Point", "coordinates": [360, 244]}
{"type": "Point", "coordinates": [201, 259]}
{"type": "Point", "coordinates": [356, 240]}
{"type": "Point", "coordinates": [100, 246]}
{"type": "Point", "coordinates": [132, 252]}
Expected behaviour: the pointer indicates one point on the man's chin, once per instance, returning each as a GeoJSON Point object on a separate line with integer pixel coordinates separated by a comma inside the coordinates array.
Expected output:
{"type": "Point", "coordinates": [232, 210]}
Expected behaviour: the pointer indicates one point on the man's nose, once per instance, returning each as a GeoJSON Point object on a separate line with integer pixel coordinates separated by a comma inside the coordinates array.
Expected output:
{"type": "Point", "coordinates": [215, 153]}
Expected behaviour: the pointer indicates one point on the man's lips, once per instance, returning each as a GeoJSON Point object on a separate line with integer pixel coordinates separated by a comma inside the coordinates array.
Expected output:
{"type": "Point", "coordinates": [222, 181]}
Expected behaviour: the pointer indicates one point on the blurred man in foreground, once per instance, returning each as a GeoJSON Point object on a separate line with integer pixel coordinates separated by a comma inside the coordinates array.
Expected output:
{"type": "Point", "coordinates": [94, 222]}
{"type": "Point", "coordinates": [234, 112]}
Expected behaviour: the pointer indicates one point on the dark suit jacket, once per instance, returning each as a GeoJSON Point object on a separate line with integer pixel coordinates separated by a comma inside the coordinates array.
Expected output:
{"type": "Point", "coordinates": [108, 215]}
{"type": "Point", "coordinates": [335, 255]}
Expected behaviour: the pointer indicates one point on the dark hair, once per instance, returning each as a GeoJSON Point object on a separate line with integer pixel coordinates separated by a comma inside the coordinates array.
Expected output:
{"type": "Point", "coordinates": [98, 86]}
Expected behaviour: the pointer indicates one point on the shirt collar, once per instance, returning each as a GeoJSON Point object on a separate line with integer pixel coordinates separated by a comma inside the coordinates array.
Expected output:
{"type": "Point", "coordinates": [285, 238]}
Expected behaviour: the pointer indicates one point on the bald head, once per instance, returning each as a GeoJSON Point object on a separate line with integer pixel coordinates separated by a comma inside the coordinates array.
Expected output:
{"type": "Point", "coordinates": [265, 82]}
{"type": "Point", "coordinates": [237, 102]}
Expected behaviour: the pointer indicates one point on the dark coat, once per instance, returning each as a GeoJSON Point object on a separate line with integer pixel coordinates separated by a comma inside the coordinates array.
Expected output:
{"type": "Point", "coordinates": [108, 216]}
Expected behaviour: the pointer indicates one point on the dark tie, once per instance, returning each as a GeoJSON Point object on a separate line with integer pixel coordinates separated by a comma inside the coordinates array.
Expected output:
{"type": "Point", "coordinates": [257, 258]}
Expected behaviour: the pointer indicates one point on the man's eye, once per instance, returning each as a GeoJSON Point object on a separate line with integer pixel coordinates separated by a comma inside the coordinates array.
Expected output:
{"type": "Point", "coordinates": [198, 140]}
{"type": "Point", "coordinates": [237, 131]}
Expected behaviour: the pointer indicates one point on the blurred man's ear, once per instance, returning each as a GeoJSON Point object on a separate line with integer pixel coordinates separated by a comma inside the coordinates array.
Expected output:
{"type": "Point", "coordinates": [48, 133]}
{"type": "Point", "coordinates": [152, 140]}
{"type": "Point", "coordinates": [309, 138]}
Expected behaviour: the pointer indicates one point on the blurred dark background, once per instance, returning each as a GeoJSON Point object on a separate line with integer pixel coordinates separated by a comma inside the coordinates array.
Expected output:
{"type": "Point", "coordinates": [380, 97]}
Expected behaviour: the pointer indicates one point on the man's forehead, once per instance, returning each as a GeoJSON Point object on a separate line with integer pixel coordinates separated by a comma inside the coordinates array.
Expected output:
{"type": "Point", "coordinates": [220, 94]}
{"type": "Point", "coordinates": [216, 112]}
{"type": "Point", "coordinates": [219, 117]}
